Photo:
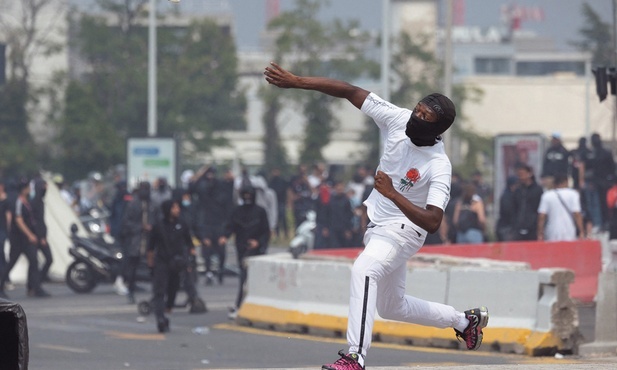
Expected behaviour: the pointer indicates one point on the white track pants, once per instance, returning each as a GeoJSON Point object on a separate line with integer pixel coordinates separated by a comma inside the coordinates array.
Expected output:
{"type": "Point", "coordinates": [378, 282]}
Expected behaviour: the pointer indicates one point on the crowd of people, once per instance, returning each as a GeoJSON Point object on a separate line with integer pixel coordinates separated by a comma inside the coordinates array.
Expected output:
{"type": "Point", "coordinates": [575, 197]}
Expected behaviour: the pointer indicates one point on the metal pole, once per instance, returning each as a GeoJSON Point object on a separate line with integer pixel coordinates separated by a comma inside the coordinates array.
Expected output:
{"type": "Point", "coordinates": [447, 76]}
{"type": "Point", "coordinates": [587, 90]}
{"type": "Point", "coordinates": [385, 59]}
{"type": "Point", "coordinates": [152, 98]}
{"type": "Point", "coordinates": [385, 50]}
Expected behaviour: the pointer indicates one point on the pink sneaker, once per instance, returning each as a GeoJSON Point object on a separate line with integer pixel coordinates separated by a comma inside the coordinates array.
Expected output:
{"type": "Point", "coordinates": [472, 335]}
{"type": "Point", "coordinates": [346, 362]}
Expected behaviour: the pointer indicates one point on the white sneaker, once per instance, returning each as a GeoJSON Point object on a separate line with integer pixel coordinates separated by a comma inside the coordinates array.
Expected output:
{"type": "Point", "coordinates": [233, 313]}
{"type": "Point", "coordinates": [120, 288]}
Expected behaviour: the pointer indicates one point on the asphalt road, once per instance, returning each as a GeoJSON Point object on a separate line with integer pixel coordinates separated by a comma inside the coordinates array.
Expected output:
{"type": "Point", "coordinates": [102, 331]}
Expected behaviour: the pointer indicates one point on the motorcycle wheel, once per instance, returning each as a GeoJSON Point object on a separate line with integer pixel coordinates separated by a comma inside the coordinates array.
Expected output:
{"type": "Point", "coordinates": [80, 277]}
{"type": "Point", "coordinates": [144, 308]}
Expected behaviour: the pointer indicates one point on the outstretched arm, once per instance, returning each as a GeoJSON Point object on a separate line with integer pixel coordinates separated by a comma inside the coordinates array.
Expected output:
{"type": "Point", "coordinates": [277, 76]}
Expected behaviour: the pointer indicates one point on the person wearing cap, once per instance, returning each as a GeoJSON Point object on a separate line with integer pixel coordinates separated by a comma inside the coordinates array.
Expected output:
{"type": "Point", "coordinates": [411, 191]}
{"type": "Point", "coordinates": [556, 161]}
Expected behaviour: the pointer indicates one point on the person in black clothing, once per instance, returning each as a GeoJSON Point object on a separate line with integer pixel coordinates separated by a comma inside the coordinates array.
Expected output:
{"type": "Point", "coordinates": [249, 223]}
{"type": "Point", "coordinates": [340, 217]}
{"type": "Point", "coordinates": [24, 240]}
{"type": "Point", "coordinates": [556, 160]}
{"type": "Point", "coordinates": [169, 247]}
{"type": "Point", "coordinates": [139, 216]}
{"type": "Point", "coordinates": [5, 216]}
{"type": "Point", "coordinates": [212, 211]}
{"type": "Point", "coordinates": [121, 199]}
{"type": "Point", "coordinates": [599, 170]}
{"type": "Point", "coordinates": [300, 192]}
{"type": "Point", "coordinates": [280, 186]}
{"type": "Point", "coordinates": [505, 223]}
{"type": "Point", "coordinates": [577, 167]}
{"type": "Point", "coordinates": [40, 227]}
{"type": "Point", "coordinates": [322, 217]}
{"type": "Point", "coordinates": [526, 201]}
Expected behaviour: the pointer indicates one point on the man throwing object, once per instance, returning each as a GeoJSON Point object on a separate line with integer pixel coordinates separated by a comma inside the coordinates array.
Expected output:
{"type": "Point", "coordinates": [412, 189]}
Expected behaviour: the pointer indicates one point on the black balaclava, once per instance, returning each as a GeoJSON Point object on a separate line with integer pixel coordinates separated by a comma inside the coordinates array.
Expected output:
{"type": "Point", "coordinates": [248, 195]}
{"type": "Point", "coordinates": [424, 133]}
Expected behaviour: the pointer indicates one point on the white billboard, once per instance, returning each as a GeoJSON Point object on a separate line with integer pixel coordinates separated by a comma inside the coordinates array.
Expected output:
{"type": "Point", "coordinates": [151, 158]}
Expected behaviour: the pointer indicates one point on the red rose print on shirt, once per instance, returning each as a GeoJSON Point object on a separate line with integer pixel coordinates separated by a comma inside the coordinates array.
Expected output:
{"type": "Point", "coordinates": [411, 177]}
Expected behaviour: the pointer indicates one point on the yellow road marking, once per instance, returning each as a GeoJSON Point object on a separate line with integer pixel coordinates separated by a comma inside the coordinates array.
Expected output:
{"type": "Point", "coordinates": [63, 348]}
{"type": "Point", "coordinates": [522, 359]}
{"type": "Point", "coordinates": [134, 336]}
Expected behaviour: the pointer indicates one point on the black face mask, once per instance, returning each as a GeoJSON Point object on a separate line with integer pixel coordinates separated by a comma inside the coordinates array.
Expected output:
{"type": "Point", "coordinates": [421, 132]}
{"type": "Point", "coordinates": [424, 133]}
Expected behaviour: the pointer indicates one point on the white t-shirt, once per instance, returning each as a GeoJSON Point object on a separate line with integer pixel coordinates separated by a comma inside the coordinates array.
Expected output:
{"type": "Point", "coordinates": [559, 221]}
{"type": "Point", "coordinates": [420, 174]}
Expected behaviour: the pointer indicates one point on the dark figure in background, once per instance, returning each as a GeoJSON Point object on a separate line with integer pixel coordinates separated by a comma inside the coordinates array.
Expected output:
{"type": "Point", "coordinates": [121, 199]}
{"type": "Point", "coordinates": [24, 240]}
{"type": "Point", "coordinates": [212, 210]}
{"type": "Point", "coordinates": [611, 204]}
{"type": "Point", "coordinates": [137, 223]}
{"type": "Point", "coordinates": [40, 227]}
{"type": "Point", "coordinates": [556, 161]}
{"type": "Point", "coordinates": [341, 215]}
{"type": "Point", "coordinates": [169, 247]}
{"type": "Point", "coordinates": [118, 205]}
{"type": "Point", "coordinates": [577, 167]}
{"type": "Point", "coordinates": [599, 169]}
{"type": "Point", "coordinates": [249, 223]}
{"type": "Point", "coordinates": [322, 217]}
{"type": "Point", "coordinates": [469, 216]}
{"type": "Point", "coordinates": [456, 191]}
{"type": "Point", "coordinates": [280, 186]}
{"type": "Point", "coordinates": [161, 191]}
{"type": "Point", "coordinates": [300, 192]}
{"type": "Point", "coordinates": [5, 219]}
{"type": "Point", "coordinates": [505, 223]}
{"type": "Point", "coordinates": [526, 201]}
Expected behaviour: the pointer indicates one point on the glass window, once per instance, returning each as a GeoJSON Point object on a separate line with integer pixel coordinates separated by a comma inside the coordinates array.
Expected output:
{"type": "Point", "coordinates": [492, 66]}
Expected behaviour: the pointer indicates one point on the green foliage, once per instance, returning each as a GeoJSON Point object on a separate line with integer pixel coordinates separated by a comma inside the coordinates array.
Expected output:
{"type": "Point", "coordinates": [275, 155]}
{"type": "Point", "coordinates": [313, 48]}
{"type": "Point", "coordinates": [197, 91]}
{"type": "Point", "coordinates": [596, 38]}
{"type": "Point", "coordinates": [17, 152]}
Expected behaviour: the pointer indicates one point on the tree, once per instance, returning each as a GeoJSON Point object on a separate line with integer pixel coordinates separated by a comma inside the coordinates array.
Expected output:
{"type": "Point", "coordinates": [197, 91]}
{"type": "Point", "coordinates": [333, 49]}
{"type": "Point", "coordinates": [26, 34]}
{"type": "Point", "coordinates": [596, 38]}
{"type": "Point", "coordinates": [275, 155]}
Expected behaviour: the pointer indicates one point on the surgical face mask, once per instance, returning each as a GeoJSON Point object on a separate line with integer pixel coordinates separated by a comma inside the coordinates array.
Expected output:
{"type": "Point", "coordinates": [186, 202]}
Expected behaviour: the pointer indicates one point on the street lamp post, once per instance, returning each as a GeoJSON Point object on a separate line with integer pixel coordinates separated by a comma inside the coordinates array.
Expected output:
{"type": "Point", "coordinates": [385, 58]}
{"type": "Point", "coordinates": [152, 83]}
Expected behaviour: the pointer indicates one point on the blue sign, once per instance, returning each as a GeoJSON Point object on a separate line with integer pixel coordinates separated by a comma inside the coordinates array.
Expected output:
{"type": "Point", "coordinates": [146, 151]}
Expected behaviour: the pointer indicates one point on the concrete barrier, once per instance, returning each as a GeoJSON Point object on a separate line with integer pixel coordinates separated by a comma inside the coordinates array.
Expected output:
{"type": "Point", "coordinates": [531, 310]}
{"type": "Point", "coordinates": [583, 257]}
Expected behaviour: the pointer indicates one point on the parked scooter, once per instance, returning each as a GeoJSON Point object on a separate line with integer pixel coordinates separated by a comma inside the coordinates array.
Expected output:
{"type": "Point", "coordinates": [95, 262]}
{"type": "Point", "coordinates": [305, 236]}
